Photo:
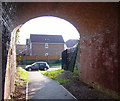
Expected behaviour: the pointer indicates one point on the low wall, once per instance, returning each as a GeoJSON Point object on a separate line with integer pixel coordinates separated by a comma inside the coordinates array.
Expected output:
{"type": "Point", "coordinates": [11, 66]}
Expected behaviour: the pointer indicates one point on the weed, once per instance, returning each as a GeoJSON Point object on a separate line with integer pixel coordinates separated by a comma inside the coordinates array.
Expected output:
{"type": "Point", "coordinates": [54, 75]}
{"type": "Point", "coordinates": [62, 81]}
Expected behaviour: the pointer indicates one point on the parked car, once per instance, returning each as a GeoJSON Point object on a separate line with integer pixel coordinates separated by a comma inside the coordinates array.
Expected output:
{"type": "Point", "coordinates": [37, 66]}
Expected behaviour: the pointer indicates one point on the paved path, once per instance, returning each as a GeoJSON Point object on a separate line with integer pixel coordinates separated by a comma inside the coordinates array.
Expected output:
{"type": "Point", "coordinates": [54, 68]}
{"type": "Point", "coordinates": [42, 87]}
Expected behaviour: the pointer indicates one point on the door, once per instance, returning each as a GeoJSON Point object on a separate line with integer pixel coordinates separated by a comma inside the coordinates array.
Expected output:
{"type": "Point", "coordinates": [42, 65]}
{"type": "Point", "coordinates": [36, 66]}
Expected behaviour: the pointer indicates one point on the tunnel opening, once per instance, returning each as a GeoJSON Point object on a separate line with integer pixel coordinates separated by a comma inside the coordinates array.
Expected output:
{"type": "Point", "coordinates": [45, 39]}
{"type": "Point", "coordinates": [52, 33]}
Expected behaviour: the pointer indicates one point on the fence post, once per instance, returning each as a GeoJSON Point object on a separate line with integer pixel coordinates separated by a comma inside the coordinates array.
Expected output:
{"type": "Point", "coordinates": [66, 59]}
{"type": "Point", "coordinates": [25, 60]}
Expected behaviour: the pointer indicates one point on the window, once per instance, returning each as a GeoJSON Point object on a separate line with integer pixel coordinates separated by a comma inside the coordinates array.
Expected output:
{"type": "Point", "coordinates": [46, 45]}
{"type": "Point", "coordinates": [46, 54]}
{"type": "Point", "coordinates": [37, 64]}
{"type": "Point", "coordinates": [42, 64]}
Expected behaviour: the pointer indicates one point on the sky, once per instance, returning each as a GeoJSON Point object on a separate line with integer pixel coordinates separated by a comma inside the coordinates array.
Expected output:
{"type": "Point", "coordinates": [48, 25]}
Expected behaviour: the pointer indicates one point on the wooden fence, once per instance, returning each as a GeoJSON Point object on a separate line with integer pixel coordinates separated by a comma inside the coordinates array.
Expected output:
{"type": "Point", "coordinates": [21, 60]}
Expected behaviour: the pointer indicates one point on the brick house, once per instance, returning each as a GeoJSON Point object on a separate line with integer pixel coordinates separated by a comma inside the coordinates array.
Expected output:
{"type": "Point", "coordinates": [46, 45]}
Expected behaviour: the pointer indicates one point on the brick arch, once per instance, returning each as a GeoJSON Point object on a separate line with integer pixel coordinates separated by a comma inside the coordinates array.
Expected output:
{"type": "Point", "coordinates": [82, 15]}
{"type": "Point", "coordinates": [97, 24]}
{"type": "Point", "coordinates": [46, 9]}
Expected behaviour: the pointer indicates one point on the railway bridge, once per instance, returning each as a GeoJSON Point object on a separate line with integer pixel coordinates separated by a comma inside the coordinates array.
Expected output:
{"type": "Point", "coordinates": [97, 24]}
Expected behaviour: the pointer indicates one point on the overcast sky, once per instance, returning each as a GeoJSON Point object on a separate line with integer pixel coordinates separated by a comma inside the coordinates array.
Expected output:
{"type": "Point", "coordinates": [48, 25]}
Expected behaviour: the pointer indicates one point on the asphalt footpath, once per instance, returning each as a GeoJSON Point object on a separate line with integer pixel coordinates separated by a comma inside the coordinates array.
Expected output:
{"type": "Point", "coordinates": [42, 87]}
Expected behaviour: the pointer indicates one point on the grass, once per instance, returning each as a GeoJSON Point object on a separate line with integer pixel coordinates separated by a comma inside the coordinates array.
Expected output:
{"type": "Point", "coordinates": [62, 81]}
{"type": "Point", "coordinates": [23, 74]}
{"type": "Point", "coordinates": [52, 74]}
{"type": "Point", "coordinates": [55, 75]}
{"type": "Point", "coordinates": [21, 79]}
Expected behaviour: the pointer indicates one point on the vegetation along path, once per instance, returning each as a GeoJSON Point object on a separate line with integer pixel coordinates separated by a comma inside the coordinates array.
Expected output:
{"type": "Point", "coordinates": [75, 86]}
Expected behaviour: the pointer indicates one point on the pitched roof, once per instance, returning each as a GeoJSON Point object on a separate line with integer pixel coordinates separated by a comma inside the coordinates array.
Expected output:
{"type": "Point", "coordinates": [46, 38]}
{"type": "Point", "coordinates": [71, 42]}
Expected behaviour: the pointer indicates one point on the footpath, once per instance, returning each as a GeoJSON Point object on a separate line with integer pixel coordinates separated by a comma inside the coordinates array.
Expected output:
{"type": "Point", "coordinates": [42, 87]}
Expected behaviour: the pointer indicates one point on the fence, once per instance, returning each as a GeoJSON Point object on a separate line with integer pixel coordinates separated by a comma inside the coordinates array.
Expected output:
{"type": "Point", "coordinates": [22, 60]}
{"type": "Point", "coordinates": [69, 59]}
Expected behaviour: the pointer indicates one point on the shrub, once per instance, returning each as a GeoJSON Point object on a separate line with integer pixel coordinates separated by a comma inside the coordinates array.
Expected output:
{"type": "Point", "coordinates": [58, 61]}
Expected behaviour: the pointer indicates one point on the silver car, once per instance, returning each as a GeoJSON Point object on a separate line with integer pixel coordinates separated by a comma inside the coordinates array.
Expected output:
{"type": "Point", "coordinates": [37, 66]}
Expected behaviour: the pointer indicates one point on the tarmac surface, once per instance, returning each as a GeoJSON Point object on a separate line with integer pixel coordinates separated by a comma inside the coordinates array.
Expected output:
{"type": "Point", "coordinates": [54, 68]}
{"type": "Point", "coordinates": [42, 87]}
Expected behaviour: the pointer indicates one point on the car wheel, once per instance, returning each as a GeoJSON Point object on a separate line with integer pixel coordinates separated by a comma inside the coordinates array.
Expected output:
{"type": "Point", "coordinates": [45, 69]}
{"type": "Point", "coordinates": [29, 69]}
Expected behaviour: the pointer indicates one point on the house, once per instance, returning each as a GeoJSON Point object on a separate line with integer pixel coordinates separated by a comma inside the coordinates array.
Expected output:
{"type": "Point", "coordinates": [71, 43]}
{"type": "Point", "coordinates": [46, 45]}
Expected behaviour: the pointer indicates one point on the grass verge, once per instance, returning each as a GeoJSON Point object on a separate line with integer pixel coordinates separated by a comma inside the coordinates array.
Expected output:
{"type": "Point", "coordinates": [59, 75]}
{"type": "Point", "coordinates": [21, 79]}
{"type": "Point", "coordinates": [23, 74]}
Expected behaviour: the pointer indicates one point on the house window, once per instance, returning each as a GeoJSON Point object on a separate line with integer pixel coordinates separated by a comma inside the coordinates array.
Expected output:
{"type": "Point", "coordinates": [46, 45]}
{"type": "Point", "coordinates": [46, 54]}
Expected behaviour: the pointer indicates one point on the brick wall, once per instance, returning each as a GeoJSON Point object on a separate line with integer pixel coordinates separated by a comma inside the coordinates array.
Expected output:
{"type": "Point", "coordinates": [7, 26]}
{"type": "Point", "coordinates": [99, 47]}
{"type": "Point", "coordinates": [52, 50]}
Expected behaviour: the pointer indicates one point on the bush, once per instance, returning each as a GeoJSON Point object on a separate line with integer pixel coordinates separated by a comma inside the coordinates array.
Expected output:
{"type": "Point", "coordinates": [58, 61]}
